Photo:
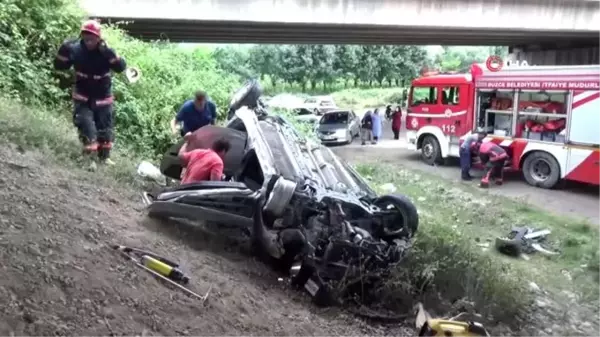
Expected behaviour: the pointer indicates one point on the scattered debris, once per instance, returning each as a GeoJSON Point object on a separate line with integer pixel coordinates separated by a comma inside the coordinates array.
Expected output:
{"type": "Point", "coordinates": [429, 326]}
{"type": "Point", "coordinates": [523, 240]}
{"type": "Point", "coordinates": [146, 170]}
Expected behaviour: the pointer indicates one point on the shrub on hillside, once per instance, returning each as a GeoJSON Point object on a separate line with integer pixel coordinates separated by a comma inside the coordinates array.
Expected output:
{"type": "Point", "coordinates": [170, 75]}
{"type": "Point", "coordinates": [30, 32]}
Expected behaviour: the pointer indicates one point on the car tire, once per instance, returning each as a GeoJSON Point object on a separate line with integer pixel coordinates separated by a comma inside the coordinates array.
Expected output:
{"type": "Point", "coordinates": [430, 151]}
{"type": "Point", "coordinates": [408, 215]}
{"type": "Point", "coordinates": [540, 169]}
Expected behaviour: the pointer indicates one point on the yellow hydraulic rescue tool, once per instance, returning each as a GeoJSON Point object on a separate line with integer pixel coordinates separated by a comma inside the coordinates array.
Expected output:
{"type": "Point", "coordinates": [439, 327]}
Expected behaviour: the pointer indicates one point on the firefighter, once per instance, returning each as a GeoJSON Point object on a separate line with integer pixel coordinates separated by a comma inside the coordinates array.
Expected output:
{"type": "Point", "coordinates": [466, 150]}
{"type": "Point", "coordinates": [92, 96]}
{"type": "Point", "coordinates": [493, 157]}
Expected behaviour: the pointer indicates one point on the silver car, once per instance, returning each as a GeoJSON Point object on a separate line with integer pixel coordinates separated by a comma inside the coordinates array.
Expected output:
{"type": "Point", "coordinates": [338, 127]}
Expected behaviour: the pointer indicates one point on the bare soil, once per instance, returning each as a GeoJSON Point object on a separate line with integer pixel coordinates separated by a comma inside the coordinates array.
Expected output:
{"type": "Point", "coordinates": [60, 278]}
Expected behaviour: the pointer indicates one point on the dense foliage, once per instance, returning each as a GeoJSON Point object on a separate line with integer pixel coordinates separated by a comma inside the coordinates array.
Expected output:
{"type": "Point", "coordinates": [330, 67]}
{"type": "Point", "coordinates": [32, 30]}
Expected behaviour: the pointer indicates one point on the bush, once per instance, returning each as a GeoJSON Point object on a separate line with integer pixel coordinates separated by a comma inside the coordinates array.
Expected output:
{"type": "Point", "coordinates": [32, 30]}
{"type": "Point", "coordinates": [170, 75]}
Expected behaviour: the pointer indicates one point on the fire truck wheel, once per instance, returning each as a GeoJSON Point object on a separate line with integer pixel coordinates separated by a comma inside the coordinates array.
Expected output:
{"type": "Point", "coordinates": [540, 169]}
{"type": "Point", "coordinates": [430, 151]}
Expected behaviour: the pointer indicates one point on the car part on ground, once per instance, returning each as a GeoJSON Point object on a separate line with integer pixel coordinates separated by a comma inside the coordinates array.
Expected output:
{"type": "Point", "coordinates": [307, 211]}
{"type": "Point", "coordinates": [523, 240]}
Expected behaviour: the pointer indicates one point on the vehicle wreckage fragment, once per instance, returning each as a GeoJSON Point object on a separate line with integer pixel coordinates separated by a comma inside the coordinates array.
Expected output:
{"type": "Point", "coordinates": [304, 209]}
{"type": "Point", "coordinates": [523, 240]}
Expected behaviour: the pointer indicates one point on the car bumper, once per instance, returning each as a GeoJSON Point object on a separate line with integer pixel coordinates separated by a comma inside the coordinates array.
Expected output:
{"type": "Point", "coordinates": [333, 139]}
{"type": "Point", "coordinates": [411, 140]}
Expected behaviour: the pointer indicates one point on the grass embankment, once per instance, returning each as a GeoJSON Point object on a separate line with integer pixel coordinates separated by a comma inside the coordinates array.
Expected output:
{"type": "Point", "coordinates": [454, 248]}
{"type": "Point", "coordinates": [361, 99]}
{"type": "Point", "coordinates": [446, 262]}
{"type": "Point", "coordinates": [48, 132]}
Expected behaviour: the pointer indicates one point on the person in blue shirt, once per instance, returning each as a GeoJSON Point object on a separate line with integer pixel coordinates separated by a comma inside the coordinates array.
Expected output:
{"type": "Point", "coordinates": [465, 152]}
{"type": "Point", "coordinates": [194, 114]}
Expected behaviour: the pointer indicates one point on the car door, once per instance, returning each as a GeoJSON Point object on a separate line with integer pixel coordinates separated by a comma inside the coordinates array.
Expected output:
{"type": "Point", "coordinates": [354, 123]}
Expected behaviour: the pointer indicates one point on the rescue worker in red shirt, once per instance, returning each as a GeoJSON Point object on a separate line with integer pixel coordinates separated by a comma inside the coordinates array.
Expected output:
{"type": "Point", "coordinates": [493, 157]}
{"type": "Point", "coordinates": [92, 96]}
{"type": "Point", "coordinates": [203, 164]}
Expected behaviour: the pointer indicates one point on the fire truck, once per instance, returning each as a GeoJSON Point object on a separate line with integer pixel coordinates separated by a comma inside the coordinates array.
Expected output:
{"type": "Point", "coordinates": [547, 118]}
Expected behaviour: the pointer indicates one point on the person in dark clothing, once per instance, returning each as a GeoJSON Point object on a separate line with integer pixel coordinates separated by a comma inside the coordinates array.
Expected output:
{"type": "Point", "coordinates": [493, 157]}
{"type": "Point", "coordinates": [366, 127]}
{"type": "Point", "coordinates": [465, 152]}
{"type": "Point", "coordinates": [388, 112]}
{"type": "Point", "coordinates": [195, 114]}
{"type": "Point", "coordinates": [92, 96]}
{"type": "Point", "coordinates": [397, 122]}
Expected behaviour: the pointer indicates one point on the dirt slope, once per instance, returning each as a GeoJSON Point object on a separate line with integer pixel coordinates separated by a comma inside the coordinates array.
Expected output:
{"type": "Point", "coordinates": [60, 278]}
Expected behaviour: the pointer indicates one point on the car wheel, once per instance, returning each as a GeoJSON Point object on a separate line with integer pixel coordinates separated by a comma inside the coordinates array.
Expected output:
{"type": "Point", "coordinates": [430, 151]}
{"type": "Point", "coordinates": [349, 137]}
{"type": "Point", "coordinates": [406, 222]}
{"type": "Point", "coordinates": [541, 169]}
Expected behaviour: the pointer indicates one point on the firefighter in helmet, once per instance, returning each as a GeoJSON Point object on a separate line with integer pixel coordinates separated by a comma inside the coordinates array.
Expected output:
{"type": "Point", "coordinates": [92, 96]}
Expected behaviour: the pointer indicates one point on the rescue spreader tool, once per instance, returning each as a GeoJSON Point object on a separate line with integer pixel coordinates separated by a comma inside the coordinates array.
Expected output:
{"type": "Point", "coordinates": [160, 267]}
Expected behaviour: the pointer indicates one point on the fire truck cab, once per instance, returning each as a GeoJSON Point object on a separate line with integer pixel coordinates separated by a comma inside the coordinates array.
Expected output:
{"type": "Point", "coordinates": [546, 117]}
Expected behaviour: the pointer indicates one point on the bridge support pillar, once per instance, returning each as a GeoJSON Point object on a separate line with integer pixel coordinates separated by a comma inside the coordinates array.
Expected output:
{"type": "Point", "coordinates": [554, 55]}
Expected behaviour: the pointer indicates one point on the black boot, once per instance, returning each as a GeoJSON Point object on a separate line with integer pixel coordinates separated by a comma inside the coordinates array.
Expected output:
{"type": "Point", "coordinates": [466, 176]}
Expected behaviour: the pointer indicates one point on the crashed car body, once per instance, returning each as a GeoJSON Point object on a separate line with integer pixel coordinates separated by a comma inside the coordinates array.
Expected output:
{"type": "Point", "coordinates": [304, 208]}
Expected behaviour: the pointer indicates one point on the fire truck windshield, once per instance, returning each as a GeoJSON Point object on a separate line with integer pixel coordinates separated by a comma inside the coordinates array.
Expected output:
{"type": "Point", "coordinates": [423, 95]}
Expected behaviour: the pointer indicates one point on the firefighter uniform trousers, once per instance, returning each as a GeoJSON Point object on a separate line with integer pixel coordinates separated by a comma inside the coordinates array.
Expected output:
{"type": "Point", "coordinates": [94, 122]}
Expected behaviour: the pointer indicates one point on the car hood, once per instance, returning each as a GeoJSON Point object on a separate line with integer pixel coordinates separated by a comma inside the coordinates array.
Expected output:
{"type": "Point", "coordinates": [332, 127]}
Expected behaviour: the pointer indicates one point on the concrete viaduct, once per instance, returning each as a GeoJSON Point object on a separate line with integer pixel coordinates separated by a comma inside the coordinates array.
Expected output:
{"type": "Point", "coordinates": [542, 32]}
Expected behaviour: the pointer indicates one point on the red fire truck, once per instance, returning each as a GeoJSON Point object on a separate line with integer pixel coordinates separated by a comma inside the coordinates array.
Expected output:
{"type": "Point", "coordinates": [546, 117]}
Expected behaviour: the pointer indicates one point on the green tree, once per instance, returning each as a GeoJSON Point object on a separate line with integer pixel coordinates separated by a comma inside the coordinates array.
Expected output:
{"type": "Point", "coordinates": [345, 62]}
{"type": "Point", "coordinates": [367, 65]}
{"type": "Point", "coordinates": [234, 60]}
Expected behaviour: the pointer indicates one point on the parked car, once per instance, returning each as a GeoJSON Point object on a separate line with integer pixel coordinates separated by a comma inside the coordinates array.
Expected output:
{"type": "Point", "coordinates": [338, 127]}
{"type": "Point", "coordinates": [303, 209]}
{"type": "Point", "coordinates": [319, 104]}
{"type": "Point", "coordinates": [305, 116]}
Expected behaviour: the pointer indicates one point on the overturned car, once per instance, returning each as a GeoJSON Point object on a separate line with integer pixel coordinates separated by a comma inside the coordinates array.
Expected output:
{"type": "Point", "coordinates": [305, 210]}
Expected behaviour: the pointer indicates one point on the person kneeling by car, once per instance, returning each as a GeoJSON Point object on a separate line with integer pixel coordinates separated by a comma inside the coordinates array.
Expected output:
{"type": "Point", "coordinates": [493, 157]}
{"type": "Point", "coordinates": [203, 164]}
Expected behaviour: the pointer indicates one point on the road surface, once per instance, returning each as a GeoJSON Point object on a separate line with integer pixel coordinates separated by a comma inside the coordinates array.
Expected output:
{"type": "Point", "coordinates": [572, 200]}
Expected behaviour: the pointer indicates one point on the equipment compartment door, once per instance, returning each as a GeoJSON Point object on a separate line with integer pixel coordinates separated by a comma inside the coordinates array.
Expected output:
{"type": "Point", "coordinates": [585, 118]}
